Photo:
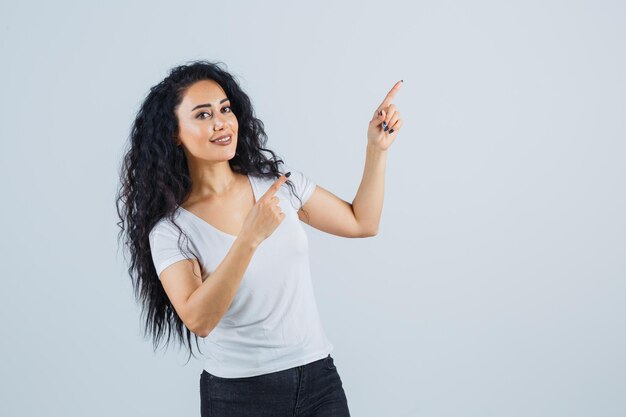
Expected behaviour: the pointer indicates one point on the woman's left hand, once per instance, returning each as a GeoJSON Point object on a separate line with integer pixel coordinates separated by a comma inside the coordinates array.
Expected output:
{"type": "Point", "coordinates": [377, 136]}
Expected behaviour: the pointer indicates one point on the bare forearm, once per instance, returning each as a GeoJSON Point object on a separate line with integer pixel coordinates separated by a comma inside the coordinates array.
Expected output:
{"type": "Point", "coordinates": [368, 203]}
{"type": "Point", "coordinates": [212, 299]}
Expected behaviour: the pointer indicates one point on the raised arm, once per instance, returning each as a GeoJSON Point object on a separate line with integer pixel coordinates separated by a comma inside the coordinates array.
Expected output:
{"type": "Point", "coordinates": [331, 214]}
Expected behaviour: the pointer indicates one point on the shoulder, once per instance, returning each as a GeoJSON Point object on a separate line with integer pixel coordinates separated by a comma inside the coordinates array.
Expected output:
{"type": "Point", "coordinates": [303, 184]}
{"type": "Point", "coordinates": [165, 226]}
{"type": "Point", "coordinates": [298, 177]}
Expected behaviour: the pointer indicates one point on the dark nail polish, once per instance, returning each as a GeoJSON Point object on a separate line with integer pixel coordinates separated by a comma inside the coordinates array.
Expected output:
{"type": "Point", "coordinates": [385, 127]}
{"type": "Point", "coordinates": [288, 174]}
{"type": "Point", "coordinates": [380, 113]}
{"type": "Point", "coordinates": [391, 131]}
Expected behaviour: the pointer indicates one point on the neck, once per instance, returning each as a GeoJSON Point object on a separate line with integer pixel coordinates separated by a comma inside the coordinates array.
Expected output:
{"type": "Point", "coordinates": [211, 180]}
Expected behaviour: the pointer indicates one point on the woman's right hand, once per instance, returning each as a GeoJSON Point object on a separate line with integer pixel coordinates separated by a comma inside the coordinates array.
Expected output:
{"type": "Point", "coordinates": [265, 215]}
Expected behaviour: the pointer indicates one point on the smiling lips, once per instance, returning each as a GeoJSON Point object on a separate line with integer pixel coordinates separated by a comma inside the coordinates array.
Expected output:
{"type": "Point", "coordinates": [220, 137]}
{"type": "Point", "coordinates": [225, 140]}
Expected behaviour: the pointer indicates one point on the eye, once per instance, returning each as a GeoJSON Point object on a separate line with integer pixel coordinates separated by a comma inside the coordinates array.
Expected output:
{"type": "Point", "coordinates": [199, 115]}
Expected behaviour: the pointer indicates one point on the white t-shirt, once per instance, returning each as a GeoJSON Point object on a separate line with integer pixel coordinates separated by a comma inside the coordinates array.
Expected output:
{"type": "Point", "coordinates": [273, 322]}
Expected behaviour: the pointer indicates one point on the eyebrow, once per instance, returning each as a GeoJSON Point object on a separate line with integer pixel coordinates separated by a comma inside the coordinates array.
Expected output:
{"type": "Point", "coordinates": [208, 104]}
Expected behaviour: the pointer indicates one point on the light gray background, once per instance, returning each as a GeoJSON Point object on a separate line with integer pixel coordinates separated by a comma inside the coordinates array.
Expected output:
{"type": "Point", "coordinates": [496, 286]}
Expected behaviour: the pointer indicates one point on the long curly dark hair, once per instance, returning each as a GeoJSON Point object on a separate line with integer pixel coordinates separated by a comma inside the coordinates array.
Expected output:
{"type": "Point", "coordinates": [155, 180]}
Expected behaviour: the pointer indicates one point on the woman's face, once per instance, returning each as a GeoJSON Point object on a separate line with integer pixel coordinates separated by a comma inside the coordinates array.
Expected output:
{"type": "Point", "coordinates": [204, 115]}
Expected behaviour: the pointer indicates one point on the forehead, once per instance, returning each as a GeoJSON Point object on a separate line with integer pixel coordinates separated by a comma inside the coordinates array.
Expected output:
{"type": "Point", "coordinates": [205, 91]}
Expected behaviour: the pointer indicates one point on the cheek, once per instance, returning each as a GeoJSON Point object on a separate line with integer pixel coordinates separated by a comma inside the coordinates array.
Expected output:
{"type": "Point", "coordinates": [189, 130]}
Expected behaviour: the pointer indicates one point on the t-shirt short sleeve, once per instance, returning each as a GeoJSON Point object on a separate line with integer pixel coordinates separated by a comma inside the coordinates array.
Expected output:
{"type": "Point", "coordinates": [164, 246]}
{"type": "Point", "coordinates": [303, 186]}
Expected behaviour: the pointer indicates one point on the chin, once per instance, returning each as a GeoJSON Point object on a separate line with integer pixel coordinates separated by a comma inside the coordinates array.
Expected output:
{"type": "Point", "coordinates": [234, 152]}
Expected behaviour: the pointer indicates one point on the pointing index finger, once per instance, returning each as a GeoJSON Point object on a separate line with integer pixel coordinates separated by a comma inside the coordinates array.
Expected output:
{"type": "Point", "coordinates": [390, 95]}
{"type": "Point", "coordinates": [276, 186]}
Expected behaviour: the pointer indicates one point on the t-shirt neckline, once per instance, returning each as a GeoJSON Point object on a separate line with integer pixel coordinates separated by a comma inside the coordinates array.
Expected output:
{"type": "Point", "coordinates": [201, 220]}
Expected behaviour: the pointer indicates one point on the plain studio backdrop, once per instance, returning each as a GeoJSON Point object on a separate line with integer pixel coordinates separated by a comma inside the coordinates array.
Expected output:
{"type": "Point", "coordinates": [497, 283]}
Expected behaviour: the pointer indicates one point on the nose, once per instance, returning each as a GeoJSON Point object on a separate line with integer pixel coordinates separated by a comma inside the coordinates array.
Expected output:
{"type": "Point", "coordinates": [219, 122]}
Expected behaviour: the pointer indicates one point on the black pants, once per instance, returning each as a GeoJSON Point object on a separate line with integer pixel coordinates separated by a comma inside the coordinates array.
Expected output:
{"type": "Point", "coordinates": [311, 390]}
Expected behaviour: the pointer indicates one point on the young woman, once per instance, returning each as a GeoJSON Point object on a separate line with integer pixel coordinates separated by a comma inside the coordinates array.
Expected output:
{"type": "Point", "coordinates": [196, 173]}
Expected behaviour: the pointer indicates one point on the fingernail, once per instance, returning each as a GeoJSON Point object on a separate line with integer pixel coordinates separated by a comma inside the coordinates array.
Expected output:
{"type": "Point", "coordinates": [288, 174]}
{"type": "Point", "coordinates": [391, 131]}
{"type": "Point", "coordinates": [385, 127]}
{"type": "Point", "coordinates": [380, 113]}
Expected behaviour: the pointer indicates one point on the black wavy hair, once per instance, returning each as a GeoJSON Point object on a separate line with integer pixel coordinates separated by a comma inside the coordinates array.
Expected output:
{"type": "Point", "coordinates": [155, 180]}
